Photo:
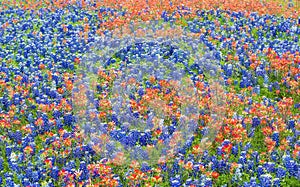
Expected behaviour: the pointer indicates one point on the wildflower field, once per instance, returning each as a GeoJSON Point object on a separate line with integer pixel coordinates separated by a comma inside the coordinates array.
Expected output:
{"type": "Point", "coordinates": [149, 93]}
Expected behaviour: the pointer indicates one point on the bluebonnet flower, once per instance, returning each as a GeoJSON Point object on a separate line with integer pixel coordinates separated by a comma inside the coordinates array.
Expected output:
{"type": "Point", "coordinates": [274, 156]}
{"type": "Point", "coordinates": [291, 166]}
{"type": "Point", "coordinates": [255, 122]}
{"type": "Point", "coordinates": [208, 182]}
{"type": "Point", "coordinates": [280, 172]}
{"type": "Point", "coordinates": [77, 152]}
{"type": "Point", "coordinates": [1, 163]}
{"type": "Point", "coordinates": [68, 119]}
{"type": "Point", "coordinates": [8, 151]}
{"type": "Point", "coordinates": [35, 176]}
{"type": "Point", "coordinates": [9, 182]}
{"type": "Point", "coordinates": [219, 150]}
{"type": "Point", "coordinates": [235, 149]}
{"type": "Point", "coordinates": [253, 181]}
{"type": "Point", "coordinates": [291, 124]}
{"type": "Point", "coordinates": [15, 167]}
{"type": "Point", "coordinates": [145, 167]}
{"type": "Point", "coordinates": [175, 181]}
{"type": "Point", "coordinates": [275, 137]}
{"type": "Point", "coordinates": [54, 172]}
{"type": "Point", "coordinates": [250, 164]}
{"type": "Point", "coordinates": [270, 167]}
{"type": "Point", "coordinates": [266, 180]}
{"type": "Point", "coordinates": [260, 170]}
{"type": "Point", "coordinates": [276, 182]}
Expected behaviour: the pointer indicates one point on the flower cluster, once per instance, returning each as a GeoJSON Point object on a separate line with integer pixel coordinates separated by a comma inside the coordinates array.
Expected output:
{"type": "Point", "coordinates": [149, 93]}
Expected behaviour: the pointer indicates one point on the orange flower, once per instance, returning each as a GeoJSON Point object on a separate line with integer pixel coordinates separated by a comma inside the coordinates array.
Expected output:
{"type": "Point", "coordinates": [68, 142]}
{"type": "Point", "coordinates": [156, 179]}
{"type": "Point", "coordinates": [48, 163]}
{"type": "Point", "coordinates": [157, 132]}
{"type": "Point", "coordinates": [197, 149]}
{"type": "Point", "coordinates": [4, 124]}
{"type": "Point", "coordinates": [69, 85]}
{"type": "Point", "coordinates": [11, 113]}
{"type": "Point", "coordinates": [283, 144]}
{"type": "Point", "coordinates": [267, 131]}
{"type": "Point", "coordinates": [215, 174]}
{"type": "Point", "coordinates": [134, 164]}
{"type": "Point", "coordinates": [227, 148]}
{"type": "Point", "coordinates": [233, 166]}
{"type": "Point", "coordinates": [296, 153]}
{"type": "Point", "coordinates": [119, 159]}
{"type": "Point", "coordinates": [152, 79]}
{"type": "Point", "coordinates": [189, 165]}
{"type": "Point", "coordinates": [270, 144]}
{"type": "Point", "coordinates": [39, 122]}
{"type": "Point", "coordinates": [28, 150]}
{"type": "Point", "coordinates": [77, 60]}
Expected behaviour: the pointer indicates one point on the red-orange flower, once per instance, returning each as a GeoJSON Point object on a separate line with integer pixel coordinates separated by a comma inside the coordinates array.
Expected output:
{"type": "Point", "coordinates": [215, 174]}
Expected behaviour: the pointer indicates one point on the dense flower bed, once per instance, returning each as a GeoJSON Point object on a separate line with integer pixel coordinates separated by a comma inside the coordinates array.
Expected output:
{"type": "Point", "coordinates": [146, 93]}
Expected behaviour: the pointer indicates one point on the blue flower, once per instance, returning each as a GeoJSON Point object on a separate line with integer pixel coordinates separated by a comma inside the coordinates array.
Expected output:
{"type": "Point", "coordinates": [145, 139]}
{"type": "Point", "coordinates": [291, 167]}
{"type": "Point", "coordinates": [280, 172]}
{"type": "Point", "coordinates": [276, 182]}
{"type": "Point", "coordinates": [145, 167]}
{"type": "Point", "coordinates": [208, 182]}
{"type": "Point", "coordinates": [266, 180]}
{"type": "Point", "coordinates": [270, 167]}
{"type": "Point", "coordinates": [9, 182]}
{"type": "Point", "coordinates": [255, 122]}
{"type": "Point", "coordinates": [35, 176]}
{"type": "Point", "coordinates": [36, 184]}
{"type": "Point", "coordinates": [175, 183]}
{"type": "Point", "coordinates": [235, 149]}
{"type": "Point", "coordinates": [274, 156]}
{"type": "Point", "coordinates": [1, 164]}
{"type": "Point", "coordinates": [260, 170]}
{"type": "Point", "coordinates": [68, 119]}
{"type": "Point", "coordinates": [291, 124]}
{"type": "Point", "coordinates": [275, 137]}
{"type": "Point", "coordinates": [54, 172]}
{"type": "Point", "coordinates": [8, 151]}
